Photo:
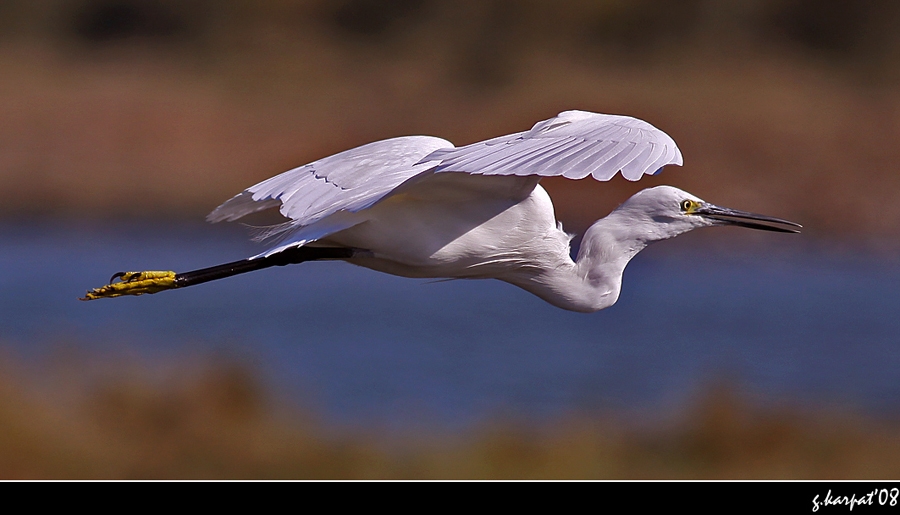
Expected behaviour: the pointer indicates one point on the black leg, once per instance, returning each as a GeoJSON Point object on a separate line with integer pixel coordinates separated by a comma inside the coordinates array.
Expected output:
{"type": "Point", "coordinates": [285, 257]}
{"type": "Point", "coordinates": [139, 283]}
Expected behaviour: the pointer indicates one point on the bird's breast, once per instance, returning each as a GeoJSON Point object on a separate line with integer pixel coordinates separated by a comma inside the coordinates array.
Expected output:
{"type": "Point", "coordinates": [419, 237]}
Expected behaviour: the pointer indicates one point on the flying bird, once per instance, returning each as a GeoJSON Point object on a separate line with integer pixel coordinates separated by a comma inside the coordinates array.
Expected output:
{"type": "Point", "coordinates": [417, 206]}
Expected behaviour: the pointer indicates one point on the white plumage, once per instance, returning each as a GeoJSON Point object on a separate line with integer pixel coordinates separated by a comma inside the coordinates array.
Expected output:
{"type": "Point", "coordinates": [417, 206]}
{"type": "Point", "coordinates": [573, 144]}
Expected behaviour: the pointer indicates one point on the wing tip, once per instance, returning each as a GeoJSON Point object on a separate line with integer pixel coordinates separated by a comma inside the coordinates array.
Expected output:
{"type": "Point", "coordinates": [240, 206]}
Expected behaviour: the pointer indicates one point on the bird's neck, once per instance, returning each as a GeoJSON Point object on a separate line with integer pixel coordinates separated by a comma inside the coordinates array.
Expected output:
{"type": "Point", "coordinates": [593, 281]}
{"type": "Point", "coordinates": [605, 251]}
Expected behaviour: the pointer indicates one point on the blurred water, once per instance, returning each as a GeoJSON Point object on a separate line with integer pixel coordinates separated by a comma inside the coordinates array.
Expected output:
{"type": "Point", "coordinates": [363, 347]}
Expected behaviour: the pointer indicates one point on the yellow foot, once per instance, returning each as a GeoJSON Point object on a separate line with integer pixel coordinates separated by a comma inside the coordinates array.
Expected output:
{"type": "Point", "coordinates": [133, 283]}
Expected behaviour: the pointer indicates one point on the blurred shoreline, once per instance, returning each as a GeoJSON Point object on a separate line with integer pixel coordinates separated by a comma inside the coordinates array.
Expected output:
{"type": "Point", "coordinates": [141, 123]}
{"type": "Point", "coordinates": [216, 422]}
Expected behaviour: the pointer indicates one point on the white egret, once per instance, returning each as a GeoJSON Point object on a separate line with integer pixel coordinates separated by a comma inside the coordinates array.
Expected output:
{"type": "Point", "coordinates": [417, 206]}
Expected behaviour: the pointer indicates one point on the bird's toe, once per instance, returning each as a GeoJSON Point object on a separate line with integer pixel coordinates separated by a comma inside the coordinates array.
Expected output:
{"type": "Point", "coordinates": [133, 283]}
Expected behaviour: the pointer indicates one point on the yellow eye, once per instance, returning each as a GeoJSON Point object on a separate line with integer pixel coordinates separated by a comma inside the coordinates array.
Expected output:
{"type": "Point", "coordinates": [686, 205]}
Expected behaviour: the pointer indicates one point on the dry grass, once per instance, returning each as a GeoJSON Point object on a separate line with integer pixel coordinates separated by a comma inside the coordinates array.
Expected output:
{"type": "Point", "coordinates": [219, 423]}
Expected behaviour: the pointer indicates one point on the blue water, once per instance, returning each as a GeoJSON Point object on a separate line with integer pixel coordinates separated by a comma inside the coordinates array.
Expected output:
{"type": "Point", "coordinates": [789, 324]}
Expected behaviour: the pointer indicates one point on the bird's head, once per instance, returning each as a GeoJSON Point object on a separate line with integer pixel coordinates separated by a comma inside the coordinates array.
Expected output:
{"type": "Point", "coordinates": [665, 212]}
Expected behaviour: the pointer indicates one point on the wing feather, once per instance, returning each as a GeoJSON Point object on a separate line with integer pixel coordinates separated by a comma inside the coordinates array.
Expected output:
{"type": "Point", "coordinates": [569, 134]}
{"type": "Point", "coordinates": [524, 163]}
{"type": "Point", "coordinates": [325, 196]}
{"type": "Point", "coordinates": [579, 155]}
{"type": "Point", "coordinates": [347, 181]}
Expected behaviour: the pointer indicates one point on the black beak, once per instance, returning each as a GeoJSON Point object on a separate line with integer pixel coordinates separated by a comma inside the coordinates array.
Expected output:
{"type": "Point", "coordinates": [745, 219]}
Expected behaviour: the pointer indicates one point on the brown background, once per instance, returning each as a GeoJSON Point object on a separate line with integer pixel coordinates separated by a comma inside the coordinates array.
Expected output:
{"type": "Point", "coordinates": [114, 109]}
{"type": "Point", "coordinates": [145, 108]}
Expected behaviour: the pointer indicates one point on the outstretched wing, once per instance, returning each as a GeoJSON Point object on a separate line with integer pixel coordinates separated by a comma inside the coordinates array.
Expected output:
{"type": "Point", "coordinates": [574, 144]}
{"type": "Point", "coordinates": [323, 197]}
{"type": "Point", "coordinates": [348, 181]}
